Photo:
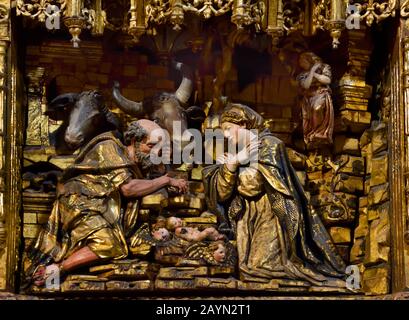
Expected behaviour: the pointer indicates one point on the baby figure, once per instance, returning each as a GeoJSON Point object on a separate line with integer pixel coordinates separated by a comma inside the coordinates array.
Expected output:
{"type": "Point", "coordinates": [219, 253]}
{"type": "Point", "coordinates": [192, 234]}
{"type": "Point", "coordinates": [161, 234]}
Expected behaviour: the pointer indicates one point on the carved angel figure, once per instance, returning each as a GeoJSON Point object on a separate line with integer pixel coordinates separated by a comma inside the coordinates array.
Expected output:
{"type": "Point", "coordinates": [213, 253]}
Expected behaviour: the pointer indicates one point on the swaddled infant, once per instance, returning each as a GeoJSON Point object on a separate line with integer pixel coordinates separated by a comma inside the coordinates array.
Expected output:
{"type": "Point", "coordinates": [192, 234]}
{"type": "Point", "coordinates": [162, 228]}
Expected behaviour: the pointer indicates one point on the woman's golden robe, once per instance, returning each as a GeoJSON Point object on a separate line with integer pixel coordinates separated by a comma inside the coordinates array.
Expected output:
{"type": "Point", "coordinates": [277, 235]}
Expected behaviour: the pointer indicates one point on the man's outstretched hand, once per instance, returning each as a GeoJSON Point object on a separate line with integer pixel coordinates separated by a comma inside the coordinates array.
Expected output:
{"type": "Point", "coordinates": [180, 184]}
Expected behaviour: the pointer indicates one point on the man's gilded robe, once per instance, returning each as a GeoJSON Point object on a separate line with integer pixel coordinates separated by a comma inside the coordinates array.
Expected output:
{"type": "Point", "coordinates": [87, 211]}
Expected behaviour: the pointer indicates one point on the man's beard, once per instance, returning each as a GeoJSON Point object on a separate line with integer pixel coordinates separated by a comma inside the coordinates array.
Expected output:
{"type": "Point", "coordinates": [144, 162]}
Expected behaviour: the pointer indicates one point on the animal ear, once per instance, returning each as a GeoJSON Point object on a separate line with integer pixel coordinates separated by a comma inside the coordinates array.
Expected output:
{"type": "Point", "coordinates": [58, 107]}
{"type": "Point", "coordinates": [97, 94]}
{"type": "Point", "coordinates": [99, 99]}
{"type": "Point", "coordinates": [195, 115]}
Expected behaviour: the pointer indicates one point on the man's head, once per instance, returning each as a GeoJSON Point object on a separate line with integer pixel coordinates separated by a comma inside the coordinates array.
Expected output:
{"type": "Point", "coordinates": [141, 137]}
{"type": "Point", "coordinates": [138, 133]}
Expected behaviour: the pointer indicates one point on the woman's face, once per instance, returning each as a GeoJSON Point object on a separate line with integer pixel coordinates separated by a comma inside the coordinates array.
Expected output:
{"type": "Point", "coordinates": [304, 63]}
{"type": "Point", "coordinates": [232, 132]}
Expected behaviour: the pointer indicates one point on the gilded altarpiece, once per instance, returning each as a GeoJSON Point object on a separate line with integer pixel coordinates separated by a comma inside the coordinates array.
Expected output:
{"type": "Point", "coordinates": [246, 52]}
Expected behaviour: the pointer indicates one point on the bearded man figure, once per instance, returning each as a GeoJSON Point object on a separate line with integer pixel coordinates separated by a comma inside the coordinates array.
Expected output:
{"type": "Point", "coordinates": [87, 225]}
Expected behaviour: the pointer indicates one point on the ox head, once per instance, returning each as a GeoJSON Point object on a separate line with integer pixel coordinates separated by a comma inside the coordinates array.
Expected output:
{"type": "Point", "coordinates": [87, 116]}
{"type": "Point", "coordinates": [164, 108]}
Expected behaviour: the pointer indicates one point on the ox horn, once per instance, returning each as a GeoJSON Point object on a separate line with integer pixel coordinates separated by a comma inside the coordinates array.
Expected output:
{"type": "Point", "coordinates": [130, 107]}
{"type": "Point", "coordinates": [186, 86]}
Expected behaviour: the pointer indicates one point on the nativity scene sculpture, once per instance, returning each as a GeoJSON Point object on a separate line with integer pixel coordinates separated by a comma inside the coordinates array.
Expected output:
{"type": "Point", "coordinates": [248, 225]}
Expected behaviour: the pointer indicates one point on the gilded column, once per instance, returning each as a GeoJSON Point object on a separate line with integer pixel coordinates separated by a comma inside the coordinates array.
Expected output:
{"type": "Point", "coordinates": [399, 136]}
{"type": "Point", "coordinates": [37, 123]}
{"type": "Point", "coordinates": [4, 45]}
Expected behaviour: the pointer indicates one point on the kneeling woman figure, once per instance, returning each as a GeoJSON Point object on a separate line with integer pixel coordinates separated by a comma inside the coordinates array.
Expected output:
{"type": "Point", "coordinates": [277, 235]}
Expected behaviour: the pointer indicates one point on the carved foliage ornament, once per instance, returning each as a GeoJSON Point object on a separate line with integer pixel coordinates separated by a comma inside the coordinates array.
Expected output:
{"type": "Point", "coordinates": [244, 12]}
{"type": "Point", "coordinates": [369, 11]}
{"type": "Point", "coordinates": [404, 8]}
{"type": "Point", "coordinates": [375, 11]}
{"type": "Point", "coordinates": [293, 15]}
{"type": "Point", "coordinates": [143, 15]}
{"type": "Point", "coordinates": [39, 9]}
{"type": "Point", "coordinates": [275, 17]}
{"type": "Point", "coordinates": [321, 13]}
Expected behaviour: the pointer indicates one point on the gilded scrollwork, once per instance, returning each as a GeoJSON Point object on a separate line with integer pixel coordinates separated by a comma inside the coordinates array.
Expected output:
{"type": "Point", "coordinates": [271, 16]}
{"type": "Point", "coordinates": [373, 11]}
{"type": "Point", "coordinates": [38, 9]}
{"type": "Point", "coordinates": [208, 8]}
{"type": "Point", "coordinates": [244, 13]}
{"type": "Point", "coordinates": [404, 9]}
{"type": "Point", "coordinates": [293, 15]}
{"type": "Point", "coordinates": [249, 12]}
{"type": "Point", "coordinates": [321, 13]}
{"type": "Point", "coordinates": [157, 12]}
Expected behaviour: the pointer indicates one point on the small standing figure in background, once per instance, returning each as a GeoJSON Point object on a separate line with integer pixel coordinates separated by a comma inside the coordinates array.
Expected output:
{"type": "Point", "coordinates": [316, 103]}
